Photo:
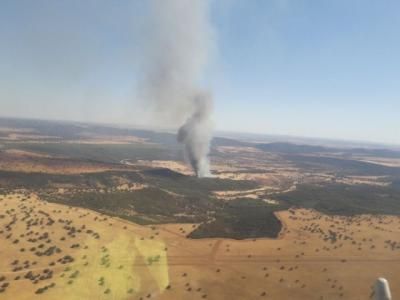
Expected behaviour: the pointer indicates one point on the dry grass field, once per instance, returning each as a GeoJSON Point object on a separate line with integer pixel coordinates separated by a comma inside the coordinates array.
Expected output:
{"type": "Point", "coordinates": [51, 251]}
{"type": "Point", "coordinates": [24, 161]}
{"type": "Point", "coordinates": [56, 251]}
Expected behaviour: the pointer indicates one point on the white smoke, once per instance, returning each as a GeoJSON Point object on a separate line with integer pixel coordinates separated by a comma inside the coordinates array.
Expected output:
{"type": "Point", "coordinates": [178, 39]}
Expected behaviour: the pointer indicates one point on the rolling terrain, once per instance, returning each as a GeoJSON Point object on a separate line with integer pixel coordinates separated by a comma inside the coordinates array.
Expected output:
{"type": "Point", "coordinates": [54, 251]}
{"type": "Point", "coordinates": [105, 212]}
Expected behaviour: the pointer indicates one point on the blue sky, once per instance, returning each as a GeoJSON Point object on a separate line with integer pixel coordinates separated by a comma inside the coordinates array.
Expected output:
{"type": "Point", "coordinates": [307, 68]}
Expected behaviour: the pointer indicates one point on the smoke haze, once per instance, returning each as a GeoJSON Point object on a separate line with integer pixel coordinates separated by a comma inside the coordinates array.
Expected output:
{"type": "Point", "coordinates": [196, 135]}
{"type": "Point", "coordinates": [177, 44]}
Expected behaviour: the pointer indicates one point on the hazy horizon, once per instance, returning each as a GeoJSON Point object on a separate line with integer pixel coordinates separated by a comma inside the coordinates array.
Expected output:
{"type": "Point", "coordinates": [238, 135]}
{"type": "Point", "coordinates": [319, 70]}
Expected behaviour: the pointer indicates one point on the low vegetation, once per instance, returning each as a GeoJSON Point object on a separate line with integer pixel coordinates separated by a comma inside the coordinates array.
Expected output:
{"type": "Point", "coordinates": [343, 199]}
{"type": "Point", "coordinates": [241, 219]}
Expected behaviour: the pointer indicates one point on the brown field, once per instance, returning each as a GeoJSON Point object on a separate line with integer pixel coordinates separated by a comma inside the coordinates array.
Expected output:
{"type": "Point", "coordinates": [176, 166]}
{"type": "Point", "coordinates": [389, 162]}
{"type": "Point", "coordinates": [231, 195]}
{"type": "Point", "coordinates": [52, 251]}
{"type": "Point", "coordinates": [230, 149]}
{"type": "Point", "coordinates": [370, 180]}
{"type": "Point", "coordinates": [79, 254]}
{"type": "Point", "coordinates": [25, 161]}
{"type": "Point", "coordinates": [89, 138]}
{"type": "Point", "coordinates": [31, 136]}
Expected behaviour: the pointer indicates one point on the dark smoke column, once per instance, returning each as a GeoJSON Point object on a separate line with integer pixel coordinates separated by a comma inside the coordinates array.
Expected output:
{"type": "Point", "coordinates": [177, 39]}
{"type": "Point", "coordinates": [195, 134]}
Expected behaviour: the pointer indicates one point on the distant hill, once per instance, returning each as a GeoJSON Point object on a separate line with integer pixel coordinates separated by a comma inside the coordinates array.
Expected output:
{"type": "Point", "coordinates": [62, 130]}
{"type": "Point", "coordinates": [289, 148]}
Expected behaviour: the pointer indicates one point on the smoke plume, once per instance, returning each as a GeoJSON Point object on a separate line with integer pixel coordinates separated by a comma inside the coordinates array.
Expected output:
{"type": "Point", "coordinates": [178, 40]}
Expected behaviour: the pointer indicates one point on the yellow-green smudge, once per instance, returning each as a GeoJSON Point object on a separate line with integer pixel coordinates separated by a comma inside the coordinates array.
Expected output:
{"type": "Point", "coordinates": [155, 256]}
{"type": "Point", "coordinates": [119, 269]}
{"type": "Point", "coordinates": [99, 280]}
